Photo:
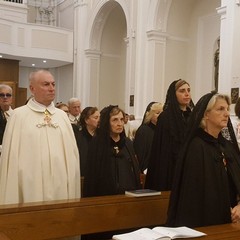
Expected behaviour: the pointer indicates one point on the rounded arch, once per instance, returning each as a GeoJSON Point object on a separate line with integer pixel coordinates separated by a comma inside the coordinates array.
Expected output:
{"type": "Point", "coordinates": [159, 11]}
{"type": "Point", "coordinates": [98, 19]}
{"type": "Point", "coordinates": [105, 53]}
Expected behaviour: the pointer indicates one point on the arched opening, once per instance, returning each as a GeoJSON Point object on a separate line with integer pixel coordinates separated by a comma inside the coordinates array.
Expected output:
{"type": "Point", "coordinates": [107, 38]}
{"type": "Point", "coordinates": [113, 59]}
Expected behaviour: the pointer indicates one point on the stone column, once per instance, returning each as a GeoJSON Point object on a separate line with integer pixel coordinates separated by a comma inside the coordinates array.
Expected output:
{"type": "Point", "coordinates": [229, 70]}
{"type": "Point", "coordinates": [80, 25]}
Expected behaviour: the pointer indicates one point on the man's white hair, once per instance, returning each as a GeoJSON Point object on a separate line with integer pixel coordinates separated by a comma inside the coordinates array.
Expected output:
{"type": "Point", "coordinates": [73, 100]}
{"type": "Point", "coordinates": [5, 86]}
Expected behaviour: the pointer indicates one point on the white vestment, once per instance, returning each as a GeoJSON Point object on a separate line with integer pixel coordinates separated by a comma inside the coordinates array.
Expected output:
{"type": "Point", "coordinates": [39, 160]}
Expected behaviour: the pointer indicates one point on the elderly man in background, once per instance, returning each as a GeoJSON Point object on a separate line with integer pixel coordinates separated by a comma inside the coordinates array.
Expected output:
{"type": "Point", "coordinates": [74, 106]}
{"type": "Point", "coordinates": [40, 160]}
{"type": "Point", "coordinates": [5, 108]}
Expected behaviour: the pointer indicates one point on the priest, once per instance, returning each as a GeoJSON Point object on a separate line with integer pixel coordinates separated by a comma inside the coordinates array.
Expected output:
{"type": "Point", "coordinates": [39, 160]}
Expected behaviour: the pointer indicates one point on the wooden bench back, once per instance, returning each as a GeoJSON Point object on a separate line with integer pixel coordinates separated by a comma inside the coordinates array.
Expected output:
{"type": "Point", "coordinates": [59, 219]}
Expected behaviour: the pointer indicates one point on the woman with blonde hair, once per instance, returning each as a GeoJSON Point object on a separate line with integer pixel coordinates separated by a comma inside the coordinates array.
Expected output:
{"type": "Point", "coordinates": [144, 134]}
{"type": "Point", "coordinates": [236, 121]}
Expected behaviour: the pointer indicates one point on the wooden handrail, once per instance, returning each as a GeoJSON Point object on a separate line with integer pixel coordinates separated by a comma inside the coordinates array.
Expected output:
{"type": "Point", "coordinates": [58, 219]}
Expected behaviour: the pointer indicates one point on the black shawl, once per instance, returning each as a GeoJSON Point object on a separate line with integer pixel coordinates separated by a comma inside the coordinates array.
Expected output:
{"type": "Point", "coordinates": [112, 166]}
{"type": "Point", "coordinates": [203, 191]}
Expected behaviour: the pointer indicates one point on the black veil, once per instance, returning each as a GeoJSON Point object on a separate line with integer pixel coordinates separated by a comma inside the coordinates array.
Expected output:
{"type": "Point", "coordinates": [168, 137]}
{"type": "Point", "coordinates": [171, 105]}
{"type": "Point", "coordinates": [193, 126]}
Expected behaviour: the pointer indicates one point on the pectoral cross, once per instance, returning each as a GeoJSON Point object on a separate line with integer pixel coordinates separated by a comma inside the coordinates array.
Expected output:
{"type": "Point", "coordinates": [47, 117]}
{"type": "Point", "coordinates": [224, 162]}
{"type": "Point", "coordinates": [116, 149]}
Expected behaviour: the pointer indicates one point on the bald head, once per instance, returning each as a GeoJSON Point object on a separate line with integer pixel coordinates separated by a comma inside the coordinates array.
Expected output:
{"type": "Point", "coordinates": [42, 86]}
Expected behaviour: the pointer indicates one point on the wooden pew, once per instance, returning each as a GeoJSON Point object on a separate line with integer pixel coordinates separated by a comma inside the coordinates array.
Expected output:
{"type": "Point", "coordinates": [220, 232]}
{"type": "Point", "coordinates": [58, 219]}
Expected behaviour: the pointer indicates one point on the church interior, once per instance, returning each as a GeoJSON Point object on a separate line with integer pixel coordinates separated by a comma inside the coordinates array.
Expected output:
{"type": "Point", "coordinates": [115, 52]}
{"type": "Point", "coordinates": [128, 49]}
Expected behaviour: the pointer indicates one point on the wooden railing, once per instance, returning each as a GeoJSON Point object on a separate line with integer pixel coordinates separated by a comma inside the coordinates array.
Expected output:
{"type": "Point", "coordinates": [58, 219]}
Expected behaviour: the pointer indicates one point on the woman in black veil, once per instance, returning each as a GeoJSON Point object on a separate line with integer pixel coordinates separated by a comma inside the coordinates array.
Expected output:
{"type": "Point", "coordinates": [111, 167]}
{"type": "Point", "coordinates": [144, 135]}
{"type": "Point", "coordinates": [168, 136]}
{"type": "Point", "coordinates": [206, 186]}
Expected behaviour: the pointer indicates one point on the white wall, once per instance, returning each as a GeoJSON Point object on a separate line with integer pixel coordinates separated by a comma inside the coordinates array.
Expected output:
{"type": "Point", "coordinates": [65, 14]}
{"type": "Point", "coordinates": [204, 30]}
{"type": "Point", "coordinates": [64, 82]}
{"type": "Point", "coordinates": [113, 60]}
{"type": "Point", "coordinates": [193, 27]}
{"type": "Point", "coordinates": [23, 79]}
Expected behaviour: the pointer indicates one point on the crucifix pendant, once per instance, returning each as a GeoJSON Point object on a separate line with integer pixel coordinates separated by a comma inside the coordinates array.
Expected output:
{"type": "Point", "coordinates": [47, 117]}
{"type": "Point", "coordinates": [225, 163]}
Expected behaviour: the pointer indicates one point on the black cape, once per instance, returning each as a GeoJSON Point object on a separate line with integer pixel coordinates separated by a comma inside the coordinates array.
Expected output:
{"type": "Point", "coordinates": [112, 168]}
{"type": "Point", "coordinates": [204, 189]}
{"type": "Point", "coordinates": [167, 140]}
{"type": "Point", "coordinates": [83, 138]}
{"type": "Point", "coordinates": [142, 144]}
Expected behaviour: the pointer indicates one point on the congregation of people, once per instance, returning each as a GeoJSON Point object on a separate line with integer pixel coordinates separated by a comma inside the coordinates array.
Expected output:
{"type": "Point", "coordinates": [179, 147]}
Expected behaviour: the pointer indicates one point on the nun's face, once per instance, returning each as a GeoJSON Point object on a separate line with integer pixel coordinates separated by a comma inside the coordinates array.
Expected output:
{"type": "Point", "coordinates": [183, 96]}
{"type": "Point", "coordinates": [217, 117]}
{"type": "Point", "coordinates": [93, 120]}
{"type": "Point", "coordinates": [116, 123]}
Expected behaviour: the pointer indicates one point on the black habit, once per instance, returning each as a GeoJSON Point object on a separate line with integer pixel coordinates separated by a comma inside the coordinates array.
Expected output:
{"type": "Point", "coordinates": [207, 183]}
{"type": "Point", "coordinates": [142, 144]}
{"type": "Point", "coordinates": [112, 168]}
{"type": "Point", "coordinates": [207, 177]}
{"type": "Point", "coordinates": [166, 143]}
{"type": "Point", "coordinates": [83, 138]}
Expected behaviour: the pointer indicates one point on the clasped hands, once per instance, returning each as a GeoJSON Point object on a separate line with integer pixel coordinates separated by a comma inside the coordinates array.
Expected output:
{"type": "Point", "coordinates": [235, 214]}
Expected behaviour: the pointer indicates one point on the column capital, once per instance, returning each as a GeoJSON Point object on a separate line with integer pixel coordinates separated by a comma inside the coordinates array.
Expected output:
{"type": "Point", "coordinates": [157, 35]}
{"type": "Point", "coordinates": [92, 53]}
{"type": "Point", "coordinates": [80, 3]}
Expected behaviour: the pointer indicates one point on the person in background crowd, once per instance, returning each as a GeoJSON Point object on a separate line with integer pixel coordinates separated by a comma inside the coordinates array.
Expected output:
{"type": "Point", "coordinates": [74, 107]}
{"type": "Point", "coordinates": [63, 107]}
{"type": "Point", "coordinates": [133, 126]}
{"type": "Point", "coordinates": [89, 121]}
{"type": "Point", "coordinates": [144, 135]}
{"type": "Point", "coordinates": [126, 125]}
{"type": "Point", "coordinates": [39, 160]}
{"type": "Point", "coordinates": [206, 186]}
{"type": "Point", "coordinates": [168, 136]}
{"type": "Point", "coordinates": [5, 108]}
{"type": "Point", "coordinates": [112, 166]}
{"type": "Point", "coordinates": [236, 121]}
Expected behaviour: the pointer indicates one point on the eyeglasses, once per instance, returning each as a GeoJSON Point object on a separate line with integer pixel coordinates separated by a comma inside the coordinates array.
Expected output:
{"type": "Point", "coordinates": [7, 95]}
